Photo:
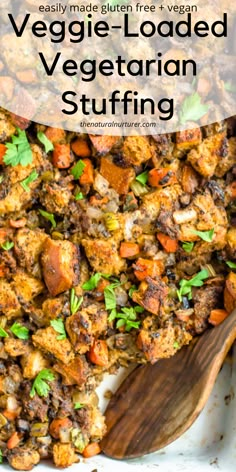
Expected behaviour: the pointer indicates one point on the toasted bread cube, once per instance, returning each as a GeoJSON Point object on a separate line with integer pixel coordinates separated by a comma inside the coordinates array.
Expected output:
{"type": "Point", "coordinates": [9, 303]}
{"type": "Point", "coordinates": [64, 455]}
{"type": "Point", "coordinates": [46, 339]}
{"type": "Point", "coordinates": [103, 256]}
{"type": "Point", "coordinates": [118, 178]}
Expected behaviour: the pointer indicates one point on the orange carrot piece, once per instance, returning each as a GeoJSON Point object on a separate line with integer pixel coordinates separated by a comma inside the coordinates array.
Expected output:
{"type": "Point", "coordinates": [232, 190]}
{"type": "Point", "coordinates": [3, 150]}
{"type": "Point", "coordinates": [161, 177]}
{"type": "Point", "coordinates": [61, 157]}
{"type": "Point", "coordinates": [3, 270]}
{"type": "Point", "coordinates": [95, 201]}
{"type": "Point", "coordinates": [10, 415]}
{"type": "Point", "coordinates": [88, 173]}
{"type": "Point", "coordinates": [14, 440]}
{"type": "Point", "coordinates": [81, 148]}
{"type": "Point", "coordinates": [18, 223]}
{"type": "Point", "coordinates": [170, 245]}
{"type": "Point", "coordinates": [57, 424]}
{"type": "Point", "coordinates": [230, 292]}
{"type": "Point", "coordinates": [148, 268]}
{"type": "Point", "coordinates": [98, 353]}
{"type": "Point", "coordinates": [91, 450]}
{"type": "Point", "coordinates": [55, 135]}
{"type": "Point", "coordinates": [217, 316]}
{"type": "Point", "coordinates": [129, 249]}
{"type": "Point", "coordinates": [27, 76]}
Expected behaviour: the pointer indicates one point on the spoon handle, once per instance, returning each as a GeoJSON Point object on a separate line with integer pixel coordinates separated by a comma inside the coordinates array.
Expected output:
{"type": "Point", "coordinates": [157, 403]}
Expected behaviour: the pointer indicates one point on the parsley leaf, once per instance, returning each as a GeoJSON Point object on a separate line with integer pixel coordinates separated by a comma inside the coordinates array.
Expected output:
{"type": "Point", "coordinates": [1, 457]}
{"type": "Point", "coordinates": [176, 345]}
{"type": "Point", "coordinates": [79, 196]}
{"type": "Point", "coordinates": [25, 183]}
{"type": "Point", "coordinates": [49, 217]}
{"type": "Point", "coordinates": [78, 169]}
{"type": "Point", "coordinates": [92, 283]}
{"type": "Point", "coordinates": [7, 245]}
{"type": "Point", "coordinates": [3, 333]}
{"type": "Point", "coordinates": [59, 327]}
{"type": "Point", "coordinates": [132, 289]}
{"type": "Point", "coordinates": [110, 296]}
{"type": "Point", "coordinates": [205, 235]}
{"type": "Point", "coordinates": [127, 318]}
{"type": "Point", "coordinates": [78, 406]}
{"type": "Point", "coordinates": [143, 178]}
{"type": "Point", "coordinates": [188, 247]}
{"type": "Point", "coordinates": [230, 264]}
{"type": "Point", "coordinates": [196, 281]}
{"type": "Point", "coordinates": [40, 385]}
{"type": "Point", "coordinates": [48, 146]}
{"type": "Point", "coordinates": [20, 331]}
{"type": "Point", "coordinates": [18, 151]}
{"type": "Point", "coordinates": [192, 108]}
{"type": "Point", "coordinates": [75, 302]}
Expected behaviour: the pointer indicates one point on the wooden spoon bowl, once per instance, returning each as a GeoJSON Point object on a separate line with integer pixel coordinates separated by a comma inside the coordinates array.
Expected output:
{"type": "Point", "coordinates": [157, 403]}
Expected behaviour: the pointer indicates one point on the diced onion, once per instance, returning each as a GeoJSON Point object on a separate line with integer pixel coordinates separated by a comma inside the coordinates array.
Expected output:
{"type": "Point", "coordinates": [184, 216]}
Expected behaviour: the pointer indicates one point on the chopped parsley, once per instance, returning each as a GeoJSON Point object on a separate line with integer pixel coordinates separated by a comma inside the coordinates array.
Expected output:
{"type": "Point", "coordinates": [48, 146]}
{"type": "Point", "coordinates": [75, 302]}
{"type": "Point", "coordinates": [79, 196]}
{"type": "Point", "coordinates": [231, 265]}
{"type": "Point", "coordinates": [78, 406]}
{"type": "Point", "coordinates": [40, 385]}
{"type": "Point", "coordinates": [110, 296]}
{"type": "Point", "coordinates": [18, 151]}
{"type": "Point", "coordinates": [59, 327]}
{"type": "Point", "coordinates": [127, 317]}
{"type": "Point", "coordinates": [192, 109]}
{"type": "Point", "coordinates": [78, 169]}
{"type": "Point", "coordinates": [188, 247]}
{"type": "Point", "coordinates": [7, 245]}
{"type": "Point", "coordinates": [196, 281]}
{"type": "Point", "coordinates": [1, 457]}
{"type": "Point", "coordinates": [176, 345]}
{"type": "Point", "coordinates": [49, 217]}
{"type": "Point", "coordinates": [92, 283]}
{"type": "Point", "coordinates": [3, 333]}
{"type": "Point", "coordinates": [20, 331]}
{"type": "Point", "coordinates": [143, 178]}
{"type": "Point", "coordinates": [205, 235]}
{"type": "Point", "coordinates": [31, 178]}
{"type": "Point", "coordinates": [132, 289]}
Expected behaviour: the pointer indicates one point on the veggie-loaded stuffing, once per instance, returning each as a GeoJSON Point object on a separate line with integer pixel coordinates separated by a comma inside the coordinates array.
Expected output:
{"type": "Point", "coordinates": [113, 250]}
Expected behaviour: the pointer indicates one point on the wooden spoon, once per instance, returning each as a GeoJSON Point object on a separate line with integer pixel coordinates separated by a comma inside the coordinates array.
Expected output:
{"type": "Point", "coordinates": [157, 403]}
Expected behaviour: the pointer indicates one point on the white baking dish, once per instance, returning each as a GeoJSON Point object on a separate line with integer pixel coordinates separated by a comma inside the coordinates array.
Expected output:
{"type": "Point", "coordinates": [210, 444]}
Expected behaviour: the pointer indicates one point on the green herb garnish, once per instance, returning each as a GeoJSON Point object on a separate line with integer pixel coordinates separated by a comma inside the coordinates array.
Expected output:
{"type": "Point", "coordinates": [3, 333]}
{"type": "Point", "coordinates": [79, 196]}
{"type": "Point", "coordinates": [92, 283]}
{"type": "Point", "coordinates": [231, 264]}
{"type": "Point", "coordinates": [205, 235]}
{"type": "Point", "coordinates": [192, 109]}
{"type": "Point", "coordinates": [31, 178]}
{"type": "Point", "coordinates": [196, 281]}
{"type": "Point", "coordinates": [59, 327]}
{"type": "Point", "coordinates": [48, 146]}
{"type": "Point", "coordinates": [20, 331]}
{"type": "Point", "coordinates": [75, 302]}
{"type": "Point", "coordinates": [127, 317]}
{"type": "Point", "coordinates": [40, 385]}
{"type": "Point", "coordinates": [7, 245]}
{"type": "Point", "coordinates": [188, 247]}
{"type": "Point", "coordinates": [132, 290]}
{"type": "Point", "coordinates": [176, 345]}
{"type": "Point", "coordinates": [143, 178]}
{"type": "Point", "coordinates": [1, 457]}
{"type": "Point", "coordinates": [78, 169]}
{"type": "Point", "coordinates": [78, 406]}
{"type": "Point", "coordinates": [18, 151]}
{"type": "Point", "coordinates": [49, 217]}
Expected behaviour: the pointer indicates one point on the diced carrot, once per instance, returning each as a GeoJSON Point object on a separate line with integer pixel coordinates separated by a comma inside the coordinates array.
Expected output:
{"type": "Point", "coordinates": [99, 292]}
{"type": "Point", "coordinates": [232, 190]}
{"type": "Point", "coordinates": [3, 150]}
{"type": "Point", "coordinates": [10, 415]}
{"type": "Point", "coordinates": [14, 440]}
{"type": "Point", "coordinates": [58, 424]}
{"type": "Point", "coordinates": [98, 353]}
{"type": "Point", "coordinates": [95, 201]}
{"type": "Point", "coordinates": [61, 157]}
{"type": "Point", "coordinates": [88, 173]}
{"type": "Point", "coordinates": [161, 177]}
{"type": "Point", "coordinates": [3, 270]}
{"type": "Point", "coordinates": [81, 148]}
{"type": "Point", "coordinates": [230, 292]}
{"type": "Point", "coordinates": [217, 316]}
{"type": "Point", "coordinates": [3, 235]}
{"type": "Point", "coordinates": [55, 135]}
{"type": "Point", "coordinates": [129, 249]}
{"type": "Point", "coordinates": [91, 450]}
{"type": "Point", "coordinates": [27, 76]}
{"type": "Point", "coordinates": [18, 223]}
{"type": "Point", "coordinates": [148, 268]}
{"type": "Point", "coordinates": [169, 244]}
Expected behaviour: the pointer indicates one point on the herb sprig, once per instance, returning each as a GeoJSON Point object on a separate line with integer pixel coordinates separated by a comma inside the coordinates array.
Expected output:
{"type": "Point", "coordinates": [59, 327]}
{"type": "Point", "coordinates": [192, 109]}
{"type": "Point", "coordinates": [3, 333]}
{"type": "Point", "coordinates": [7, 245]}
{"type": "Point", "coordinates": [20, 331]}
{"type": "Point", "coordinates": [78, 169]}
{"type": "Point", "coordinates": [40, 385]}
{"type": "Point", "coordinates": [49, 216]}
{"type": "Point", "coordinates": [196, 281]}
{"type": "Point", "coordinates": [48, 146]}
{"type": "Point", "coordinates": [205, 235]}
{"type": "Point", "coordinates": [127, 317]}
{"type": "Point", "coordinates": [75, 302]}
{"type": "Point", "coordinates": [188, 247]}
{"type": "Point", "coordinates": [18, 151]}
{"type": "Point", "coordinates": [31, 178]}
